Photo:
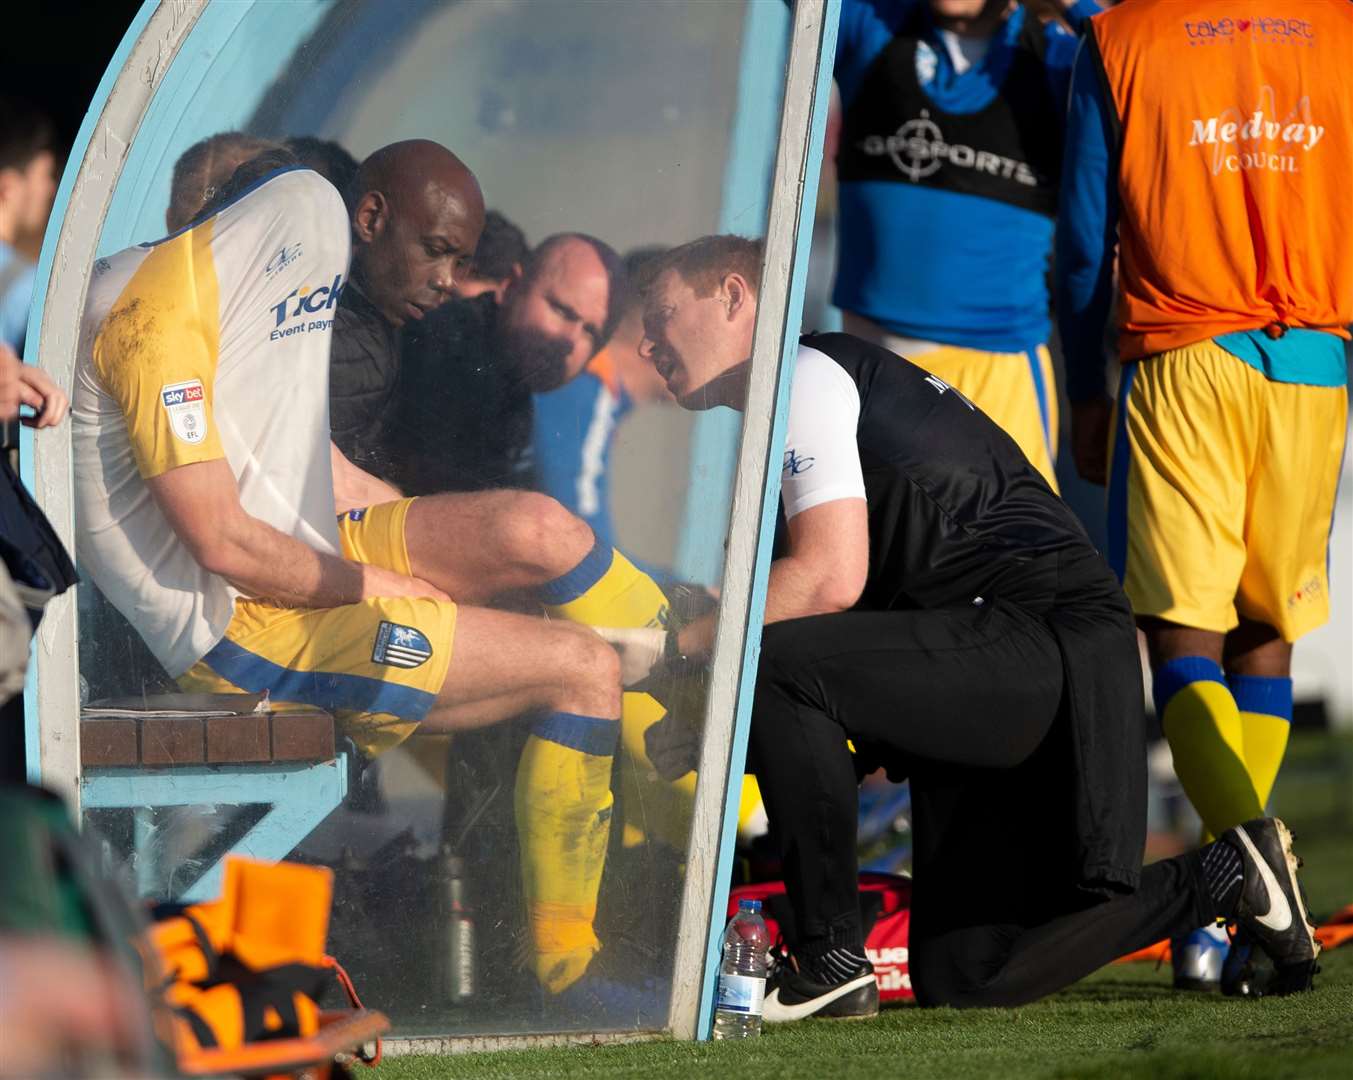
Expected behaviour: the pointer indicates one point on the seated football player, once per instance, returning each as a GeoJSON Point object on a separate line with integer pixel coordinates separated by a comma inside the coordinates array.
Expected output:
{"type": "Point", "coordinates": [938, 605]}
{"type": "Point", "coordinates": [206, 487]}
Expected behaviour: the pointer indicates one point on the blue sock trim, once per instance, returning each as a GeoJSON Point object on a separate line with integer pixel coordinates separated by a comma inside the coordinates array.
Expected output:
{"type": "Point", "coordinates": [1173, 675]}
{"type": "Point", "coordinates": [586, 734]}
{"type": "Point", "coordinates": [1265, 694]}
{"type": "Point", "coordinates": [568, 587]}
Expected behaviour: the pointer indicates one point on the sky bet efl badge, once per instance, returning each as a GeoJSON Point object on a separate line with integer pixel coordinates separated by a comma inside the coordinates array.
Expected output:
{"type": "Point", "coordinates": [400, 646]}
{"type": "Point", "coordinates": [187, 408]}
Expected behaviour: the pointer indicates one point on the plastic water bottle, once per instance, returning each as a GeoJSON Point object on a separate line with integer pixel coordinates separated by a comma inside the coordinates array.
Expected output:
{"type": "Point", "coordinates": [742, 975]}
{"type": "Point", "coordinates": [458, 963]}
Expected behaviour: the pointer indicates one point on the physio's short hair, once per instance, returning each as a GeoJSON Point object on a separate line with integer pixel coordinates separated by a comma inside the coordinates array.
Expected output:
{"type": "Point", "coordinates": [704, 263]}
{"type": "Point", "coordinates": [25, 132]}
{"type": "Point", "coordinates": [204, 168]}
{"type": "Point", "coordinates": [501, 247]}
{"type": "Point", "coordinates": [637, 267]}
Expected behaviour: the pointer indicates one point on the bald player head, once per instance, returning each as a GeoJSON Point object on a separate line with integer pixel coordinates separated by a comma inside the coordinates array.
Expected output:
{"type": "Point", "coordinates": [557, 312]}
{"type": "Point", "coordinates": [417, 212]}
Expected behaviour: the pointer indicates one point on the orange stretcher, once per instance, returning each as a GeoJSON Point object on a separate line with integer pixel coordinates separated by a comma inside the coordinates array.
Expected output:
{"type": "Point", "coordinates": [235, 981]}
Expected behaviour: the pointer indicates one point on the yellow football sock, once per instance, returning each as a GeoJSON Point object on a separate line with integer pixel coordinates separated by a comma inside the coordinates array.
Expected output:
{"type": "Point", "coordinates": [1201, 722]}
{"type": "Point", "coordinates": [1265, 705]}
{"type": "Point", "coordinates": [606, 589]}
{"type": "Point", "coordinates": [653, 808]}
{"type": "Point", "coordinates": [563, 807]}
{"type": "Point", "coordinates": [751, 810]}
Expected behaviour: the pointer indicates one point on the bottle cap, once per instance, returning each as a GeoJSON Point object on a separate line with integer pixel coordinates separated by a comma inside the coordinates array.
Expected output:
{"type": "Point", "coordinates": [749, 905]}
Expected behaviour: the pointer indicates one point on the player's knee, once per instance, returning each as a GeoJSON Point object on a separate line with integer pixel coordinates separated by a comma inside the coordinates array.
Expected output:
{"type": "Point", "coordinates": [592, 670]}
{"type": "Point", "coordinates": [787, 653]}
{"type": "Point", "coordinates": [537, 535]}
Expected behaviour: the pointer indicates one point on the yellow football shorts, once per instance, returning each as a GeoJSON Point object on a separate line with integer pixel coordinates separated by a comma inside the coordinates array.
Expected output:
{"type": "Point", "coordinates": [1016, 390]}
{"type": "Point", "coordinates": [377, 665]}
{"type": "Point", "coordinates": [1221, 491]}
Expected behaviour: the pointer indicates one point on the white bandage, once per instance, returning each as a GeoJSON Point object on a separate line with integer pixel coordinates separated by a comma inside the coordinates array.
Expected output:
{"type": "Point", "coordinates": [640, 648]}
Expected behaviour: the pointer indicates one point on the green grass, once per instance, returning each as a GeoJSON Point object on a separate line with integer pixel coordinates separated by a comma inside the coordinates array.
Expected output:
{"type": "Point", "coordinates": [1123, 1022]}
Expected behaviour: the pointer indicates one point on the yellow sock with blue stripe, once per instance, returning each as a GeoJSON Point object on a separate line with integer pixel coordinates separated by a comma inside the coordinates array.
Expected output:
{"type": "Point", "coordinates": [563, 808]}
{"type": "Point", "coordinates": [653, 808]}
{"type": "Point", "coordinates": [1202, 724]}
{"type": "Point", "coordinates": [1265, 705]}
{"type": "Point", "coordinates": [606, 589]}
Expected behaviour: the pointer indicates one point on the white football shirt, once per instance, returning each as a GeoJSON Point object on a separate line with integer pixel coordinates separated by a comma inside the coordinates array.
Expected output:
{"type": "Point", "coordinates": [212, 343]}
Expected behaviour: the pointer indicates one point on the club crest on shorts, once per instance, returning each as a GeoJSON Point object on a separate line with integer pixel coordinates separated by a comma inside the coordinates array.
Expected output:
{"type": "Point", "coordinates": [400, 646]}
{"type": "Point", "coordinates": [186, 404]}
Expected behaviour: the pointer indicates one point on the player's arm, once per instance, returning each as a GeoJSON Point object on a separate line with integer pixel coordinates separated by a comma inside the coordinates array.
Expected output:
{"type": "Point", "coordinates": [201, 502]}
{"type": "Point", "coordinates": [823, 572]}
{"type": "Point", "coordinates": [822, 491]}
{"type": "Point", "coordinates": [1087, 238]}
{"type": "Point", "coordinates": [865, 29]}
{"type": "Point", "coordinates": [827, 563]}
{"type": "Point", "coordinates": [355, 488]}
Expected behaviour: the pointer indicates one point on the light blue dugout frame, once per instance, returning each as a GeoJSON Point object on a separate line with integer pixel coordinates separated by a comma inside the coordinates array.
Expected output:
{"type": "Point", "coordinates": [756, 491]}
{"type": "Point", "coordinates": [143, 68]}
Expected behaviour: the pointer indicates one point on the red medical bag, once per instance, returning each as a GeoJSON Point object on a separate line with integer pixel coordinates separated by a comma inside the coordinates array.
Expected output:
{"type": "Point", "coordinates": [886, 943]}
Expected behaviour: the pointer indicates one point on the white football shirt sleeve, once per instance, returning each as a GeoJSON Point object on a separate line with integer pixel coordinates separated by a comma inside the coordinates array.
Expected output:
{"type": "Point", "coordinates": [822, 456]}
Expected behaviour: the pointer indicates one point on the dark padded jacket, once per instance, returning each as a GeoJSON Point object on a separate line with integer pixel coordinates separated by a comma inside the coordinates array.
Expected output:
{"type": "Point", "coordinates": [363, 373]}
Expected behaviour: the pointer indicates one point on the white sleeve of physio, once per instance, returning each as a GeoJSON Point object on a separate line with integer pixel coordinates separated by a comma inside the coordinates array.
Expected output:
{"type": "Point", "coordinates": [822, 457]}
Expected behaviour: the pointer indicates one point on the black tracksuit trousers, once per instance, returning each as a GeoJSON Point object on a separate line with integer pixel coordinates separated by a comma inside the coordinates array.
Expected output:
{"type": "Point", "coordinates": [966, 702]}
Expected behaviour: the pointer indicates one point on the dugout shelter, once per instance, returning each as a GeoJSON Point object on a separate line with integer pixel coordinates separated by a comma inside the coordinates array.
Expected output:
{"type": "Point", "coordinates": [640, 124]}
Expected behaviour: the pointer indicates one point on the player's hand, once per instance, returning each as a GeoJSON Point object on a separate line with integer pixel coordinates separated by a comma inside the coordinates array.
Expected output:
{"type": "Point", "coordinates": [673, 746]}
{"type": "Point", "coordinates": [640, 648]}
{"type": "Point", "coordinates": [10, 383]}
{"type": "Point", "coordinates": [61, 1004]}
{"type": "Point", "coordinates": [378, 582]}
{"type": "Point", "coordinates": [1090, 422]}
{"type": "Point", "coordinates": [49, 401]}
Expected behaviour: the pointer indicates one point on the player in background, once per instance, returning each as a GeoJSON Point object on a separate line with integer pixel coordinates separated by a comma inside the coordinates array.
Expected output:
{"type": "Point", "coordinates": [575, 424]}
{"type": "Point", "coordinates": [498, 260]}
{"type": "Point", "coordinates": [463, 414]}
{"type": "Point", "coordinates": [1209, 145]}
{"type": "Point", "coordinates": [327, 157]}
{"type": "Point", "coordinates": [939, 606]}
{"type": "Point", "coordinates": [949, 162]}
{"type": "Point", "coordinates": [27, 187]}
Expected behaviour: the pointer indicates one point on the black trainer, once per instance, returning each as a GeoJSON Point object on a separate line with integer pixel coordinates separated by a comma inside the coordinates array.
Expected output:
{"type": "Point", "coordinates": [1271, 911]}
{"type": "Point", "coordinates": [792, 995]}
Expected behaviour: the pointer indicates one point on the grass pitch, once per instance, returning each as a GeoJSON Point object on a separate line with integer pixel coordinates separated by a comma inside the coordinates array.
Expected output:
{"type": "Point", "coordinates": [1122, 1022]}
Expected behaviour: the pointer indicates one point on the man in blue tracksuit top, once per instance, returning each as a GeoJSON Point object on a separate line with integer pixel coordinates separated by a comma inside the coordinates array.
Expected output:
{"type": "Point", "coordinates": [949, 164]}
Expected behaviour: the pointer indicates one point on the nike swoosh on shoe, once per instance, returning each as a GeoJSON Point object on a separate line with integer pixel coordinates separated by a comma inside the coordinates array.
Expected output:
{"type": "Point", "coordinates": [1278, 917]}
{"type": "Point", "coordinates": [774, 1011]}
